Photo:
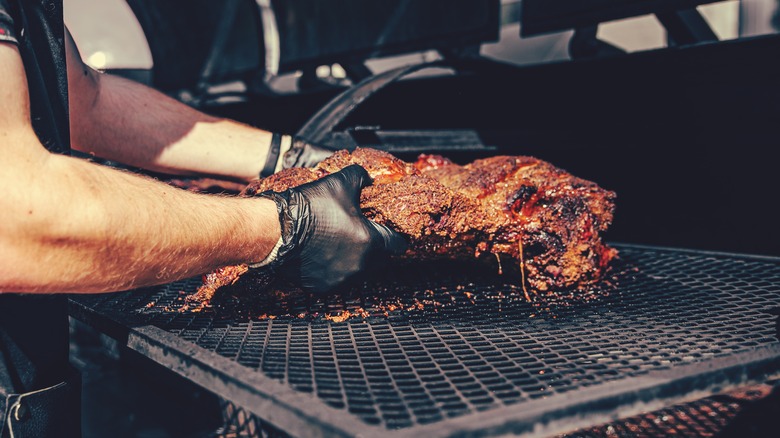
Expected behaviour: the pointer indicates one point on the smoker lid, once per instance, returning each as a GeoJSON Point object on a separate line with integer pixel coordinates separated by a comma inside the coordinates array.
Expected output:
{"type": "Point", "coordinates": [485, 362]}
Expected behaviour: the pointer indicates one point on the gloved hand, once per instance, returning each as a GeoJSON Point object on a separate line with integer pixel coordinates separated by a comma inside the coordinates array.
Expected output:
{"type": "Point", "coordinates": [304, 154]}
{"type": "Point", "coordinates": [286, 152]}
{"type": "Point", "coordinates": [325, 237]}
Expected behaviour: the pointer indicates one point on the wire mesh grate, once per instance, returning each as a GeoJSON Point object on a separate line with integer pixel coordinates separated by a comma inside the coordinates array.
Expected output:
{"type": "Point", "coordinates": [748, 411]}
{"type": "Point", "coordinates": [440, 343]}
{"type": "Point", "coordinates": [238, 423]}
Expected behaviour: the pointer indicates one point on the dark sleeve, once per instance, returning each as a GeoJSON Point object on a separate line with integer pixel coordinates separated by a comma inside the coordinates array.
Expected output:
{"type": "Point", "coordinates": [7, 33]}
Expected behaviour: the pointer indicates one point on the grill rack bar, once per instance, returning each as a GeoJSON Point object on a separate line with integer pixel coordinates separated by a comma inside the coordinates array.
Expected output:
{"type": "Point", "coordinates": [562, 413]}
{"type": "Point", "coordinates": [304, 414]}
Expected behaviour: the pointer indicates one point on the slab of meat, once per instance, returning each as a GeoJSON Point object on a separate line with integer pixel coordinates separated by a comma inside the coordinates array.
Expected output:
{"type": "Point", "coordinates": [224, 276]}
{"type": "Point", "coordinates": [530, 219]}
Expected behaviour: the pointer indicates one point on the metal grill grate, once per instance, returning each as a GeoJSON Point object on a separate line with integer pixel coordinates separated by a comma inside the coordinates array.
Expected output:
{"type": "Point", "coordinates": [461, 344]}
{"type": "Point", "coordinates": [238, 423]}
{"type": "Point", "coordinates": [746, 412]}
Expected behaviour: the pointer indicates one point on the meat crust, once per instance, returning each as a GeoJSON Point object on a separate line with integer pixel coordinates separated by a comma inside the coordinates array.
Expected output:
{"type": "Point", "coordinates": [521, 213]}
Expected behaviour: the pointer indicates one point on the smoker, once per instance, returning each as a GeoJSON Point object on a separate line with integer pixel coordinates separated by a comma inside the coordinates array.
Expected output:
{"type": "Point", "coordinates": [685, 135]}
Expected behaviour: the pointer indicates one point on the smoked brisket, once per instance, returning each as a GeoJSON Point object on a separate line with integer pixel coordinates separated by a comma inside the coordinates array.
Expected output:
{"type": "Point", "coordinates": [533, 222]}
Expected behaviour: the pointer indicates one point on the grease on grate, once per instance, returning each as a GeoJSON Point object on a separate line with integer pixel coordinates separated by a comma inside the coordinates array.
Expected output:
{"type": "Point", "coordinates": [420, 288]}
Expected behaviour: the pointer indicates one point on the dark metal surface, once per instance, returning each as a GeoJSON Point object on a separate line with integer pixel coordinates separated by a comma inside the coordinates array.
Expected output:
{"type": "Point", "coordinates": [540, 16]}
{"type": "Point", "coordinates": [238, 423]}
{"type": "Point", "coordinates": [321, 124]}
{"type": "Point", "coordinates": [677, 324]}
{"type": "Point", "coordinates": [325, 127]}
{"type": "Point", "coordinates": [409, 144]}
{"type": "Point", "coordinates": [312, 32]}
{"type": "Point", "coordinates": [749, 411]}
{"type": "Point", "coordinates": [686, 27]}
{"type": "Point", "coordinates": [584, 44]}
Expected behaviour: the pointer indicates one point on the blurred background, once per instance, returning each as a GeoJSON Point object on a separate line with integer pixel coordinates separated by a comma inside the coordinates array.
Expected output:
{"type": "Point", "coordinates": [110, 36]}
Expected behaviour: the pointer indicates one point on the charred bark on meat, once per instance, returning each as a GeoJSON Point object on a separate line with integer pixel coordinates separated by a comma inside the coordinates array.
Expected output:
{"type": "Point", "coordinates": [542, 224]}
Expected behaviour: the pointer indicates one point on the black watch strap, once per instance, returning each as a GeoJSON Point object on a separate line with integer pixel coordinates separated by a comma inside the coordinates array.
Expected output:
{"type": "Point", "coordinates": [273, 156]}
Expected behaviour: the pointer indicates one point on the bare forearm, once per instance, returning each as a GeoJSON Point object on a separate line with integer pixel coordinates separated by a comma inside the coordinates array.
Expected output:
{"type": "Point", "coordinates": [93, 229]}
{"type": "Point", "coordinates": [136, 125]}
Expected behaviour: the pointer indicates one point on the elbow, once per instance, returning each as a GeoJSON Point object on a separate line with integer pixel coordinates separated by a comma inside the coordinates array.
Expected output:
{"type": "Point", "coordinates": [11, 268]}
{"type": "Point", "coordinates": [22, 253]}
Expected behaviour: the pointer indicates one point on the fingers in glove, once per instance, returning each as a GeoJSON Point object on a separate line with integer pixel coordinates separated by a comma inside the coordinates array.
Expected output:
{"type": "Point", "coordinates": [387, 241]}
{"type": "Point", "coordinates": [356, 179]}
{"type": "Point", "coordinates": [315, 154]}
{"type": "Point", "coordinates": [304, 154]}
{"type": "Point", "coordinates": [356, 176]}
{"type": "Point", "coordinates": [384, 239]}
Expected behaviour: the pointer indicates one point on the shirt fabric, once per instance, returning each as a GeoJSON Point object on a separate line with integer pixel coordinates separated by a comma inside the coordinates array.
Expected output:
{"type": "Point", "coordinates": [7, 33]}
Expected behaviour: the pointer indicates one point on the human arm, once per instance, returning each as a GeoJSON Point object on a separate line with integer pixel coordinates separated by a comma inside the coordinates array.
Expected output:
{"type": "Point", "coordinates": [67, 225]}
{"type": "Point", "coordinates": [125, 121]}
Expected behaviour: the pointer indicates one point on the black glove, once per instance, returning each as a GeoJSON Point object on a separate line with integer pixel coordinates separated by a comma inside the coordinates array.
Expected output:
{"type": "Point", "coordinates": [286, 152]}
{"type": "Point", "coordinates": [304, 154]}
{"type": "Point", "coordinates": [325, 237]}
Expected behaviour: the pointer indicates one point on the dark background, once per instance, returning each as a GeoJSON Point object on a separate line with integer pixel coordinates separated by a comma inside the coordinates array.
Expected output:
{"type": "Point", "coordinates": [687, 137]}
